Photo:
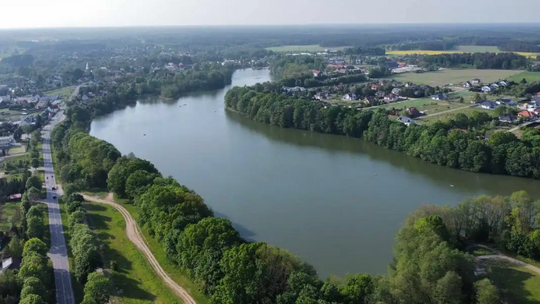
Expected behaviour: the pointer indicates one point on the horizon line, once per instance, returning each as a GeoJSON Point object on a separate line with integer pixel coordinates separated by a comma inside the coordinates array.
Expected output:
{"type": "Point", "coordinates": [265, 25]}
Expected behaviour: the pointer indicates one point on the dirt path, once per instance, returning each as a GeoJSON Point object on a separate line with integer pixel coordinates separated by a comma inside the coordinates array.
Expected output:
{"type": "Point", "coordinates": [135, 236]}
{"type": "Point", "coordinates": [498, 256]}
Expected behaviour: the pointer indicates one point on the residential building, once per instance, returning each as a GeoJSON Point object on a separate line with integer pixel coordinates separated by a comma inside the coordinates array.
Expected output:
{"type": "Point", "coordinates": [369, 100]}
{"type": "Point", "coordinates": [504, 83]}
{"type": "Point", "coordinates": [494, 86]}
{"type": "Point", "coordinates": [396, 91]}
{"type": "Point", "coordinates": [440, 96]}
{"type": "Point", "coordinates": [506, 102]}
{"type": "Point", "coordinates": [476, 81]}
{"type": "Point", "coordinates": [526, 115]}
{"type": "Point", "coordinates": [316, 73]}
{"type": "Point", "coordinates": [391, 97]}
{"type": "Point", "coordinates": [406, 120]}
{"type": "Point", "coordinates": [507, 118]}
{"type": "Point", "coordinates": [486, 89]}
{"type": "Point", "coordinates": [413, 112]}
{"type": "Point", "coordinates": [374, 87]}
{"type": "Point", "coordinates": [467, 84]}
{"type": "Point", "coordinates": [380, 94]}
{"type": "Point", "coordinates": [350, 96]}
{"type": "Point", "coordinates": [488, 105]}
{"type": "Point", "coordinates": [11, 263]}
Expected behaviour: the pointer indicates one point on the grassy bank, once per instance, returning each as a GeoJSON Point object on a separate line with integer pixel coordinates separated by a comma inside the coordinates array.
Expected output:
{"type": "Point", "coordinates": [455, 76]}
{"type": "Point", "coordinates": [174, 271]}
{"type": "Point", "coordinates": [517, 283]}
{"type": "Point", "coordinates": [134, 280]}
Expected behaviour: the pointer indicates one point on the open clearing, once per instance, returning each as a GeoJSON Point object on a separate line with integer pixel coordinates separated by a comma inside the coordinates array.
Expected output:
{"type": "Point", "coordinates": [303, 48]}
{"type": "Point", "coordinates": [529, 76]}
{"type": "Point", "coordinates": [8, 210]}
{"type": "Point", "coordinates": [454, 76]}
{"type": "Point", "coordinates": [517, 283]}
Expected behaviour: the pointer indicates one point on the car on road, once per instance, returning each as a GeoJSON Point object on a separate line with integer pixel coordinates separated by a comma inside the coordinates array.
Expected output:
{"type": "Point", "coordinates": [54, 197]}
{"type": "Point", "coordinates": [53, 188]}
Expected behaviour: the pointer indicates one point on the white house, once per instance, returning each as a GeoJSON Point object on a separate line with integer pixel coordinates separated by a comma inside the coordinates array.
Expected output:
{"type": "Point", "coordinates": [486, 89]}
{"type": "Point", "coordinates": [476, 81]}
{"type": "Point", "coordinates": [350, 96]}
{"type": "Point", "coordinates": [391, 97]}
{"type": "Point", "coordinates": [440, 96]}
{"type": "Point", "coordinates": [467, 84]}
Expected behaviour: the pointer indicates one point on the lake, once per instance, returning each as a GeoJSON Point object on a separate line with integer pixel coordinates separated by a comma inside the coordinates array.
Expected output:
{"type": "Point", "coordinates": [336, 202]}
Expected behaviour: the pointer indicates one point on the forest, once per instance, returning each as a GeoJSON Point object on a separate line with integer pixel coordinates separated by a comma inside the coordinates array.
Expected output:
{"type": "Point", "coordinates": [231, 270]}
{"type": "Point", "coordinates": [445, 144]}
{"type": "Point", "coordinates": [505, 61]}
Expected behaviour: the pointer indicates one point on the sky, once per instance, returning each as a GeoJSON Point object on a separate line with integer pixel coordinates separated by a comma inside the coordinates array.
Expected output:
{"type": "Point", "coordinates": [100, 13]}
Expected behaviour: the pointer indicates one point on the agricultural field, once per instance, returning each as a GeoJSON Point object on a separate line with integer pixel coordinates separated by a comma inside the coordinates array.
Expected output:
{"type": "Point", "coordinates": [303, 48]}
{"type": "Point", "coordinates": [454, 76]}
{"type": "Point", "coordinates": [529, 76]}
{"type": "Point", "coordinates": [460, 49]}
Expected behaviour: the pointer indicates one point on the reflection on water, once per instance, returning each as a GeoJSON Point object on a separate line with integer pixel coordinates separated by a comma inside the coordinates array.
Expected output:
{"type": "Point", "coordinates": [336, 202]}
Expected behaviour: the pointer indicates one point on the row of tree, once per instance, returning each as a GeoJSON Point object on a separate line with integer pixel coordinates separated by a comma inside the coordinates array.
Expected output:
{"type": "Point", "coordinates": [36, 273]}
{"type": "Point", "coordinates": [506, 61]}
{"type": "Point", "coordinates": [445, 144]}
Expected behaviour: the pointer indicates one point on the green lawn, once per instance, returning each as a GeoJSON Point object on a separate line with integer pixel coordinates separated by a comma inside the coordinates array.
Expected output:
{"type": "Point", "coordinates": [20, 149]}
{"type": "Point", "coordinates": [517, 283]}
{"type": "Point", "coordinates": [447, 116]}
{"type": "Point", "coordinates": [135, 277]}
{"type": "Point", "coordinates": [302, 48]}
{"type": "Point", "coordinates": [478, 251]}
{"type": "Point", "coordinates": [454, 76]}
{"type": "Point", "coordinates": [529, 76]}
{"type": "Point", "coordinates": [8, 210]}
{"type": "Point", "coordinates": [65, 92]}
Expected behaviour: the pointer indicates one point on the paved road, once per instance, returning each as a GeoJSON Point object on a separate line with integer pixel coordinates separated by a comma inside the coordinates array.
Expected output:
{"type": "Point", "coordinates": [136, 237]}
{"type": "Point", "coordinates": [523, 125]}
{"type": "Point", "coordinates": [58, 251]}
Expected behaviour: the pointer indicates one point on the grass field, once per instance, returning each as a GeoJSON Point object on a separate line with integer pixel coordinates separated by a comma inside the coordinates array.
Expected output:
{"type": "Point", "coordinates": [460, 49]}
{"type": "Point", "coordinates": [8, 210]}
{"type": "Point", "coordinates": [517, 283]}
{"type": "Point", "coordinates": [135, 277]}
{"type": "Point", "coordinates": [454, 76]}
{"type": "Point", "coordinates": [20, 149]}
{"type": "Point", "coordinates": [447, 116]}
{"type": "Point", "coordinates": [302, 48]}
{"type": "Point", "coordinates": [529, 76]}
{"type": "Point", "coordinates": [172, 270]}
{"type": "Point", "coordinates": [66, 91]}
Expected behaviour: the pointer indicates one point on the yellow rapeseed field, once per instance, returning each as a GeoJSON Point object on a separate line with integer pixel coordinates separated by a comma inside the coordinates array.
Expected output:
{"type": "Point", "coordinates": [426, 52]}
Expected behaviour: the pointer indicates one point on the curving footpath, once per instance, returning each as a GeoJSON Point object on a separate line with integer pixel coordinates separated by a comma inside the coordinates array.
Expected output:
{"type": "Point", "coordinates": [135, 236]}
{"type": "Point", "coordinates": [498, 256]}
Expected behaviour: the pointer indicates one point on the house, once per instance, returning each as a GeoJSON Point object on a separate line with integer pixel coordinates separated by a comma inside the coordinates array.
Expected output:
{"type": "Point", "coordinates": [316, 73]}
{"type": "Point", "coordinates": [396, 91]}
{"type": "Point", "coordinates": [406, 120]}
{"type": "Point", "coordinates": [42, 104]}
{"type": "Point", "coordinates": [493, 85]}
{"type": "Point", "coordinates": [476, 81]}
{"type": "Point", "coordinates": [467, 84]}
{"type": "Point", "coordinates": [506, 102]}
{"type": "Point", "coordinates": [85, 98]}
{"type": "Point", "coordinates": [526, 115]}
{"type": "Point", "coordinates": [397, 84]}
{"type": "Point", "coordinates": [321, 96]}
{"type": "Point", "coordinates": [413, 112]}
{"type": "Point", "coordinates": [13, 197]}
{"type": "Point", "coordinates": [507, 118]}
{"type": "Point", "coordinates": [531, 106]}
{"type": "Point", "coordinates": [440, 96]}
{"type": "Point", "coordinates": [369, 100]}
{"type": "Point", "coordinates": [504, 83]}
{"type": "Point", "coordinates": [374, 87]}
{"type": "Point", "coordinates": [380, 94]}
{"type": "Point", "coordinates": [486, 89]}
{"type": "Point", "coordinates": [535, 100]}
{"type": "Point", "coordinates": [488, 105]}
{"type": "Point", "coordinates": [391, 97]}
{"type": "Point", "coordinates": [402, 64]}
{"type": "Point", "coordinates": [350, 96]}
{"type": "Point", "coordinates": [11, 263]}
{"type": "Point", "coordinates": [391, 64]}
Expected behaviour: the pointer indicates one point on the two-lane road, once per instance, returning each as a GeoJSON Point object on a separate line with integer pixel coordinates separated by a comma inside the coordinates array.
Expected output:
{"type": "Point", "coordinates": [58, 252]}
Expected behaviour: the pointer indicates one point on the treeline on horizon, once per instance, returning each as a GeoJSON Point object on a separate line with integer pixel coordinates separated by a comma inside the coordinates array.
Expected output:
{"type": "Point", "coordinates": [168, 85]}
{"type": "Point", "coordinates": [231, 270]}
{"type": "Point", "coordinates": [445, 144]}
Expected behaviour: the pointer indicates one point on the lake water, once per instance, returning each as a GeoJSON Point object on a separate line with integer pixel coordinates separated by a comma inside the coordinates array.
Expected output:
{"type": "Point", "coordinates": [334, 201]}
